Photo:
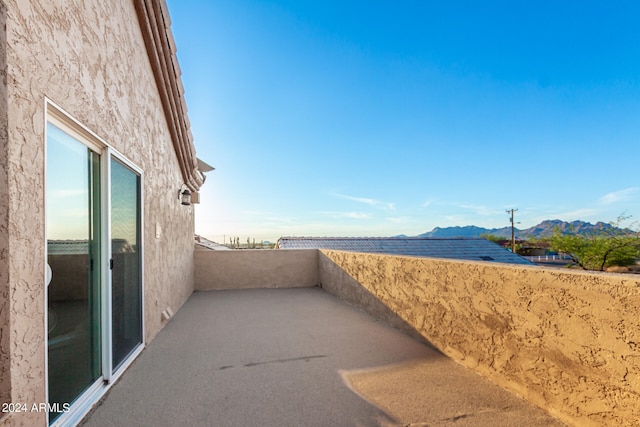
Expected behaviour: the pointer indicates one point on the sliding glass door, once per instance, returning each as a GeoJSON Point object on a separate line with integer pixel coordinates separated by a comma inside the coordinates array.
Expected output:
{"type": "Point", "coordinates": [126, 289]}
{"type": "Point", "coordinates": [94, 260]}
{"type": "Point", "coordinates": [74, 258]}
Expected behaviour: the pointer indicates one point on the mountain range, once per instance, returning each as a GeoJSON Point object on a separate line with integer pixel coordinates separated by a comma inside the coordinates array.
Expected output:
{"type": "Point", "coordinates": [544, 229]}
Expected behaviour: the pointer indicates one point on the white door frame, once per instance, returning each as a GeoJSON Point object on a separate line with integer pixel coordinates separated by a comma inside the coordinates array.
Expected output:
{"type": "Point", "coordinates": [55, 115]}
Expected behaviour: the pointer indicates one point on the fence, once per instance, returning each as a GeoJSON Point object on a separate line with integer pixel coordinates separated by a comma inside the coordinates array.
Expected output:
{"type": "Point", "coordinates": [548, 258]}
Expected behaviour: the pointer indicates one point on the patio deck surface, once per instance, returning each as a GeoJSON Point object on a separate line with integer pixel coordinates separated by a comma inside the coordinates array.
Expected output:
{"type": "Point", "coordinates": [298, 357]}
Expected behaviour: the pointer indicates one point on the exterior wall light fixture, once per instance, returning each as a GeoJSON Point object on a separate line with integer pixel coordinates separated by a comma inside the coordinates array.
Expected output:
{"type": "Point", "coordinates": [184, 196]}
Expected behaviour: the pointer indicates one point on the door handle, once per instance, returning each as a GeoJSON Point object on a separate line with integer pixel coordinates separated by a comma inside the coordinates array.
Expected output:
{"type": "Point", "coordinates": [48, 274]}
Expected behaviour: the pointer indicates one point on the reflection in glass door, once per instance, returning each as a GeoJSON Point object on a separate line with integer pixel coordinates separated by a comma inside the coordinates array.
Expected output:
{"type": "Point", "coordinates": [126, 283]}
{"type": "Point", "coordinates": [73, 255]}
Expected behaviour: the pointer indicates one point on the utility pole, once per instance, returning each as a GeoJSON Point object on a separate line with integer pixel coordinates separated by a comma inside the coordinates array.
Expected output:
{"type": "Point", "coordinates": [513, 230]}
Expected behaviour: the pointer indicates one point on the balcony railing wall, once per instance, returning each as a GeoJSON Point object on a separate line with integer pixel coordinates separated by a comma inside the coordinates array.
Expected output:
{"type": "Point", "coordinates": [565, 340]}
{"type": "Point", "coordinates": [255, 268]}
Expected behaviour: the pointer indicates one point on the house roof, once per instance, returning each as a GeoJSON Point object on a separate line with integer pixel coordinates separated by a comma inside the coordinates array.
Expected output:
{"type": "Point", "coordinates": [474, 249]}
{"type": "Point", "coordinates": [204, 166]}
{"type": "Point", "coordinates": [203, 243]}
{"type": "Point", "coordinates": [67, 247]}
{"type": "Point", "coordinates": [155, 25]}
{"type": "Point", "coordinates": [81, 247]}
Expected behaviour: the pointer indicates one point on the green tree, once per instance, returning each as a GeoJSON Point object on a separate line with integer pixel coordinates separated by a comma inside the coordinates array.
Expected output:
{"type": "Point", "coordinates": [604, 248]}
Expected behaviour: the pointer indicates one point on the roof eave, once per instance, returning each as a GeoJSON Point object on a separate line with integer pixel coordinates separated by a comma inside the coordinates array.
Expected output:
{"type": "Point", "coordinates": [155, 25]}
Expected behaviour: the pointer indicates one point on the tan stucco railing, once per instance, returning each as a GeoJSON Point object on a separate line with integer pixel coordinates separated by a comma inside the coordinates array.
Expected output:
{"type": "Point", "coordinates": [567, 341]}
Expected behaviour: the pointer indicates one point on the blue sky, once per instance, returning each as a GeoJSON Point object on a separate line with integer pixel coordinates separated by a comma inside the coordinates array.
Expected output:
{"type": "Point", "coordinates": [378, 118]}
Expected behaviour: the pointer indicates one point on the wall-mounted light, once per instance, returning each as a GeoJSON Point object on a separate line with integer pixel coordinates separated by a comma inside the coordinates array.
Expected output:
{"type": "Point", "coordinates": [184, 196]}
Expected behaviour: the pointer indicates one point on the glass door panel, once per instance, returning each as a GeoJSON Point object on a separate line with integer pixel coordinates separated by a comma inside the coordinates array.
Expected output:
{"type": "Point", "coordinates": [73, 254]}
{"type": "Point", "coordinates": [126, 283]}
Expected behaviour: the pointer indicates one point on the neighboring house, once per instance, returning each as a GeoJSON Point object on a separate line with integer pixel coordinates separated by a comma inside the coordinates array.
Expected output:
{"type": "Point", "coordinates": [452, 248]}
{"type": "Point", "coordinates": [96, 249]}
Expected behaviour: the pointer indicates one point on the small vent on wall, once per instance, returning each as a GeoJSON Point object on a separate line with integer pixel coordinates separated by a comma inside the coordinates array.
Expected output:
{"type": "Point", "coordinates": [166, 314]}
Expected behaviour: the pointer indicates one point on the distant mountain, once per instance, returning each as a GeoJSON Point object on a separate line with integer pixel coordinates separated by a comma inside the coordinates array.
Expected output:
{"type": "Point", "coordinates": [544, 229]}
{"type": "Point", "coordinates": [466, 231]}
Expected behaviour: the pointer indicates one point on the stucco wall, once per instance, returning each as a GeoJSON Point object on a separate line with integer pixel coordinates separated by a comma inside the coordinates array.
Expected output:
{"type": "Point", "coordinates": [89, 58]}
{"type": "Point", "coordinates": [258, 268]}
{"type": "Point", "coordinates": [564, 340]}
{"type": "Point", "coordinates": [5, 371]}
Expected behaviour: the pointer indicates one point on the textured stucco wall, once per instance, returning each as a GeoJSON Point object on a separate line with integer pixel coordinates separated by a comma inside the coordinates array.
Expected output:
{"type": "Point", "coordinates": [258, 268]}
{"type": "Point", "coordinates": [5, 371]}
{"type": "Point", "coordinates": [89, 58]}
{"type": "Point", "coordinates": [564, 340]}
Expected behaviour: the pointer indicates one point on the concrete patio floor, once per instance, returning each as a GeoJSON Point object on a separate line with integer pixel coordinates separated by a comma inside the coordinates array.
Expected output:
{"type": "Point", "coordinates": [298, 357]}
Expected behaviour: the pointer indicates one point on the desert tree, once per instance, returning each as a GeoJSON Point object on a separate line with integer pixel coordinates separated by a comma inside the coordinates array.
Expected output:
{"type": "Point", "coordinates": [605, 247]}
